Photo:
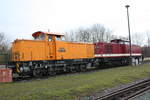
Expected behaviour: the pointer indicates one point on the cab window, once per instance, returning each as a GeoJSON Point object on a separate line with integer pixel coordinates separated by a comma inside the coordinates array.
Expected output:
{"type": "Point", "coordinates": [50, 38]}
{"type": "Point", "coordinates": [63, 38]}
{"type": "Point", "coordinates": [40, 37]}
{"type": "Point", "coordinates": [58, 38]}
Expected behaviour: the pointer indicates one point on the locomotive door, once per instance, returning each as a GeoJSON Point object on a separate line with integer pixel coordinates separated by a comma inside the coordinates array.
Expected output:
{"type": "Point", "coordinates": [123, 48]}
{"type": "Point", "coordinates": [51, 48]}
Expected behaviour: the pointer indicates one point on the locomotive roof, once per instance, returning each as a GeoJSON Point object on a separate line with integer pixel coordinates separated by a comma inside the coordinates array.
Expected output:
{"type": "Point", "coordinates": [118, 40]}
{"type": "Point", "coordinates": [51, 33]}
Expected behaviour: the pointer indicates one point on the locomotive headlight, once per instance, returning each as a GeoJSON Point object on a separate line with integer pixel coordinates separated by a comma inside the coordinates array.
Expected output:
{"type": "Point", "coordinates": [24, 69]}
{"type": "Point", "coordinates": [21, 69]}
{"type": "Point", "coordinates": [45, 66]}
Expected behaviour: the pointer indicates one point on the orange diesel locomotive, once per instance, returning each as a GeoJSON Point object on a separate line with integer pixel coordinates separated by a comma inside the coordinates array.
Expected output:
{"type": "Point", "coordinates": [49, 53]}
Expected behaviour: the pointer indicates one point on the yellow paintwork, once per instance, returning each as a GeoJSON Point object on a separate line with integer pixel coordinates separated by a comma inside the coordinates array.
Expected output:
{"type": "Point", "coordinates": [35, 50]}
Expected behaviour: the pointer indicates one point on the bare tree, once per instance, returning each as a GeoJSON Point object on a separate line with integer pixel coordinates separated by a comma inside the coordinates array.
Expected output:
{"type": "Point", "coordinates": [138, 39]}
{"type": "Point", "coordinates": [3, 43]}
{"type": "Point", "coordinates": [95, 33]}
{"type": "Point", "coordinates": [143, 39]}
{"type": "Point", "coordinates": [100, 33]}
{"type": "Point", "coordinates": [146, 48]}
{"type": "Point", "coordinates": [71, 36]}
{"type": "Point", "coordinates": [83, 35]}
{"type": "Point", "coordinates": [148, 38]}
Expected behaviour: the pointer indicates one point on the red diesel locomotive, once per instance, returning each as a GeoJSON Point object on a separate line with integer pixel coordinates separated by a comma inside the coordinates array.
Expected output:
{"type": "Point", "coordinates": [117, 52]}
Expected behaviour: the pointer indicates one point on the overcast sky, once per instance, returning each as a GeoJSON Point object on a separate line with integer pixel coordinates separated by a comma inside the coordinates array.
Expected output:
{"type": "Point", "coordinates": [20, 18]}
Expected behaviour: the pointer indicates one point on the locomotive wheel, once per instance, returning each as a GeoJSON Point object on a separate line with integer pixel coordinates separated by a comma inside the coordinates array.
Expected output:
{"type": "Point", "coordinates": [78, 69]}
{"type": "Point", "coordinates": [83, 68]}
{"type": "Point", "coordinates": [51, 72]}
{"type": "Point", "coordinates": [37, 72]}
{"type": "Point", "coordinates": [73, 69]}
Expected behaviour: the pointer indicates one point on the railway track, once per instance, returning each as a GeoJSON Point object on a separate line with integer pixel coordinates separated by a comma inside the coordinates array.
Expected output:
{"type": "Point", "coordinates": [127, 93]}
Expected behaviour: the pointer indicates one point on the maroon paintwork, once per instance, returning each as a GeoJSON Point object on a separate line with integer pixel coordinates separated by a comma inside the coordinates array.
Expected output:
{"type": "Point", "coordinates": [116, 48]}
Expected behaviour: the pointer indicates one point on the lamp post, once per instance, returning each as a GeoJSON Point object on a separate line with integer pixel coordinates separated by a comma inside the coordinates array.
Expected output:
{"type": "Point", "coordinates": [127, 6]}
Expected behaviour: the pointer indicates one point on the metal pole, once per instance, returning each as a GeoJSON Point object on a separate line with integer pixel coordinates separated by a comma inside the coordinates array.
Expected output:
{"type": "Point", "coordinates": [127, 6]}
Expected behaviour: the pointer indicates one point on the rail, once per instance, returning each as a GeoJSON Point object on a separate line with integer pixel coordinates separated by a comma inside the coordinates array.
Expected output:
{"type": "Point", "coordinates": [127, 93]}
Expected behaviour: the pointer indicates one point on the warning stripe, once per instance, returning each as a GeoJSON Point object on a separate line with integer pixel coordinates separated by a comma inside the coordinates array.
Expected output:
{"type": "Point", "coordinates": [117, 55]}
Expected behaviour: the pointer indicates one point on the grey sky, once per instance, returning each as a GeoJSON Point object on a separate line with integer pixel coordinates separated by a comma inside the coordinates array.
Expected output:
{"type": "Point", "coordinates": [20, 18]}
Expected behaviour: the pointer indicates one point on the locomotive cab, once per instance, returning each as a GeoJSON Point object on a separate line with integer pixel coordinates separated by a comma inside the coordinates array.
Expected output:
{"type": "Point", "coordinates": [120, 41]}
{"type": "Point", "coordinates": [52, 41]}
{"type": "Point", "coordinates": [48, 36]}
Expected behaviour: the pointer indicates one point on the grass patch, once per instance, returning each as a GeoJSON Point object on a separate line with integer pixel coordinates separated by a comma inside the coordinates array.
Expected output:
{"type": "Point", "coordinates": [68, 87]}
